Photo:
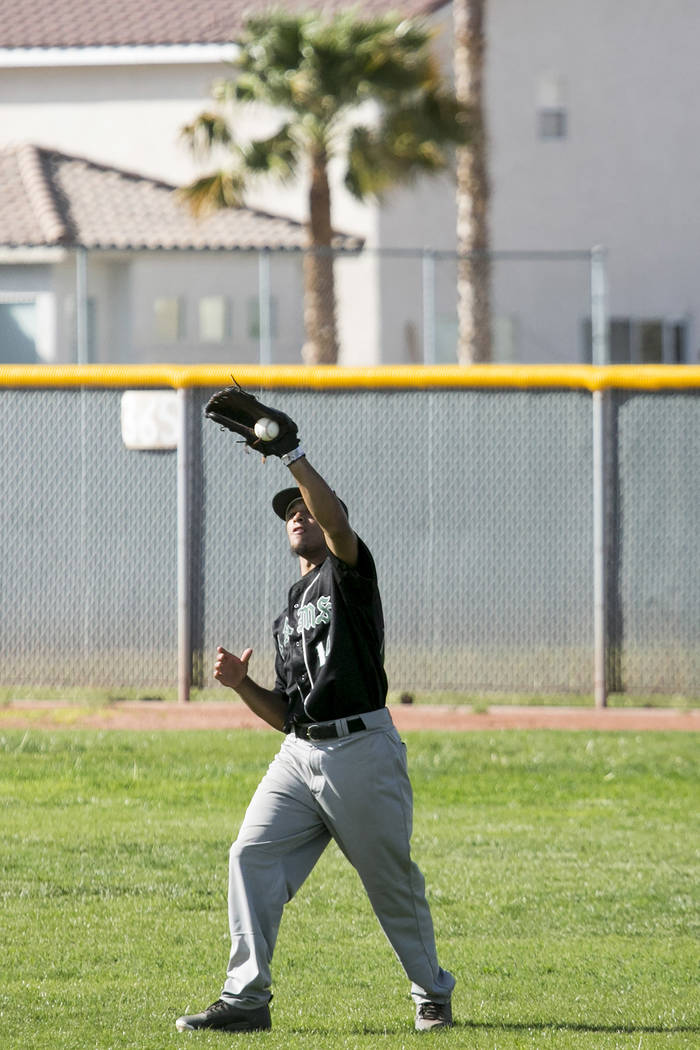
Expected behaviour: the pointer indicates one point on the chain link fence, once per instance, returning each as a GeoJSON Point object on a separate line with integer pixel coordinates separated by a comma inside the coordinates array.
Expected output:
{"type": "Point", "coordinates": [88, 534]}
{"type": "Point", "coordinates": [655, 594]}
{"type": "Point", "coordinates": [393, 306]}
{"type": "Point", "coordinates": [476, 503]}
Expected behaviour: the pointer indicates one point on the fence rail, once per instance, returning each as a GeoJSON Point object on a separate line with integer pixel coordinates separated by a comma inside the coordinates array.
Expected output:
{"type": "Point", "coordinates": [534, 527]}
{"type": "Point", "coordinates": [97, 306]}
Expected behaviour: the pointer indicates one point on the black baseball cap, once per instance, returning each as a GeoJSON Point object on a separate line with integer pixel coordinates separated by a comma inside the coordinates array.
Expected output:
{"type": "Point", "coordinates": [284, 499]}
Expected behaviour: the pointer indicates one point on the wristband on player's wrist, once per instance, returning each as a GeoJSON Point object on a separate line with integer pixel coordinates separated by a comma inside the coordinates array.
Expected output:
{"type": "Point", "coordinates": [289, 457]}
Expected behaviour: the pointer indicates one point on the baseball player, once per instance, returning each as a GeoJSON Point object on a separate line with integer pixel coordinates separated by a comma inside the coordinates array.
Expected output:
{"type": "Point", "coordinates": [341, 771]}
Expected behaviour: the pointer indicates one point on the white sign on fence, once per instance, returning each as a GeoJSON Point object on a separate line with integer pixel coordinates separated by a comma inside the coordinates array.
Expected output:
{"type": "Point", "coordinates": [149, 419]}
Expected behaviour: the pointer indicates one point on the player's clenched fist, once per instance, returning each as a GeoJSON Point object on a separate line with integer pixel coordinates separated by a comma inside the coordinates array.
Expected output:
{"type": "Point", "coordinates": [229, 669]}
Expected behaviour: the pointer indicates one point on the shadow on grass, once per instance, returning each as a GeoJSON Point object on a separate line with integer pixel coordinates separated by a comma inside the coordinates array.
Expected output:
{"type": "Point", "coordinates": [319, 1031]}
{"type": "Point", "coordinates": [575, 1026]}
{"type": "Point", "coordinates": [520, 1026]}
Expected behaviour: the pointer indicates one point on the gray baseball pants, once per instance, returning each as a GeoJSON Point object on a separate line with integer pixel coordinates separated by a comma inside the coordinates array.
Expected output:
{"type": "Point", "coordinates": [354, 789]}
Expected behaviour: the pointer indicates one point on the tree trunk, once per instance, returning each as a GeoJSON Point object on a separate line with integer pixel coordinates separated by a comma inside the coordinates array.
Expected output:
{"type": "Point", "coordinates": [474, 268]}
{"type": "Point", "coordinates": [321, 345]}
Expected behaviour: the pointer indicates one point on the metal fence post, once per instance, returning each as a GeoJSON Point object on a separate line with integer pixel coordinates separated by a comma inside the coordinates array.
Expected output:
{"type": "Point", "coordinates": [599, 306]}
{"type": "Point", "coordinates": [184, 544]}
{"type": "Point", "coordinates": [428, 272]}
{"type": "Point", "coordinates": [264, 308]}
{"type": "Point", "coordinates": [80, 323]}
{"type": "Point", "coordinates": [600, 356]}
{"type": "Point", "coordinates": [600, 551]}
{"type": "Point", "coordinates": [81, 307]}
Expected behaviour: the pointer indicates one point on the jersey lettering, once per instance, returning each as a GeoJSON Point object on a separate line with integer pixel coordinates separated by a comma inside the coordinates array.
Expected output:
{"type": "Point", "coordinates": [305, 617]}
{"type": "Point", "coordinates": [310, 615]}
{"type": "Point", "coordinates": [285, 634]}
{"type": "Point", "coordinates": [330, 637]}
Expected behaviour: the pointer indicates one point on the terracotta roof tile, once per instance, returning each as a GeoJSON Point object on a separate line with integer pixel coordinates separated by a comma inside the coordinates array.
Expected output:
{"type": "Point", "coordinates": [19, 212]}
{"type": "Point", "coordinates": [50, 198]}
{"type": "Point", "coordinates": [113, 23]}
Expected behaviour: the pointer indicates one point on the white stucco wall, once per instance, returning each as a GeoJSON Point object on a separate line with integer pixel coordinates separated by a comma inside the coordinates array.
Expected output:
{"type": "Point", "coordinates": [126, 116]}
{"type": "Point", "coordinates": [130, 117]}
{"type": "Point", "coordinates": [625, 175]}
{"type": "Point", "coordinates": [233, 276]}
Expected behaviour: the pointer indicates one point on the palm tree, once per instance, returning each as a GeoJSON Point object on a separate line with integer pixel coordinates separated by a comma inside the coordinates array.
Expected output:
{"type": "Point", "coordinates": [474, 270]}
{"type": "Point", "coordinates": [367, 90]}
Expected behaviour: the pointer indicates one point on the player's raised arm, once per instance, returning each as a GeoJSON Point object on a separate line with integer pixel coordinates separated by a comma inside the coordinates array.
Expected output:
{"type": "Point", "coordinates": [326, 508]}
{"type": "Point", "coordinates": [272, 433]}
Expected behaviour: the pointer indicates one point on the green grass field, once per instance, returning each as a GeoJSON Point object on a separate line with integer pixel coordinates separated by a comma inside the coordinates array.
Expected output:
{"type": "Point", "coordinates": [90, 697]}
{"type": "Point", "coordinates": [562, 873]}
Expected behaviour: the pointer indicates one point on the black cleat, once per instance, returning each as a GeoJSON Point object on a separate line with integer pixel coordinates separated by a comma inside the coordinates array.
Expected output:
{"type": "Point", "coordinates": [433, 1015]}
{"type": "Point", "coordinates": [227, 1018]}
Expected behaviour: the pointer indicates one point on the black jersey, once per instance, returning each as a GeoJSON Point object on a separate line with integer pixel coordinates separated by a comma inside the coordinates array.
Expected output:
{"type": "Point", "coordinates": [330, 642]}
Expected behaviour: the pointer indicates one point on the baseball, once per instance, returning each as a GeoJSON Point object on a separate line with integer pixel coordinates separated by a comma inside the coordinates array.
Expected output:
{"type": "Point", "coordinates": [267, 429]}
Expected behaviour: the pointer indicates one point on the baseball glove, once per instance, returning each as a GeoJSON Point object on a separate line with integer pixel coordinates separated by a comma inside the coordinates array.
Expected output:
{"type": "Point", "coordinates": [237, 410]}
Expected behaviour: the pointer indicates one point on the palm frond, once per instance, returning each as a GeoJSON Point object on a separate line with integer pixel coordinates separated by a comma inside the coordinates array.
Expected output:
{"type": "Point", "coordinates": [371, 58]}
{"type": "Point", "coordinates": [416, 139]}
{"type": "Point", "coordinates": [271, 49]}
{"type": "Point", "coordinates": [224, 91]}
{"type": "Point", "coordinates": [315, 70]}
{"type": "Point", "coordinates": [277, 155]}
{"type": "Point", "coordinates": [206, 132]}
{"type": "Point", "coordinates": [211, 193]}
{"type": "Point", "coordinates": [274, 39]}
{"type": "Point", "coordinates": [431, 116]}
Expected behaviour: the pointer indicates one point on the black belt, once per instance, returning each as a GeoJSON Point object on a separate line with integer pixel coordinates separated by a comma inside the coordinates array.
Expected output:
{"type": "Point", "coordinates": [328, 730]}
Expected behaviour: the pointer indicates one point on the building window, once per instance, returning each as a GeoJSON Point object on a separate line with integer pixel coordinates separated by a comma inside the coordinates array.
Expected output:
{"type": "Point", "coordinates": [18, 330]}
{"type": "Point", "coordinates": [254, 317]}
{"type": "Point", "coordinates": [168, 319]}
{"type": "Point", "coordinates": [552, 122]}
{"type": "Point", "coordinates": [504, 339]}
{"type": "Point", "coordinates": [642, 341]}
{"type": "Point", "coordinates": [214, 319]}
{"type": "Point", "coordinates": [90, 320]}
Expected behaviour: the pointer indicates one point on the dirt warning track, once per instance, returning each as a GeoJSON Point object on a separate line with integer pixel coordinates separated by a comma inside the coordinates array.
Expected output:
{"type": "Point", "coordinates": [154, 715]}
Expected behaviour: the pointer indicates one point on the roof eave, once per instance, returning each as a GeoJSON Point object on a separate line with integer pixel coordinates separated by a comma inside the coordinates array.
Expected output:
{"type": "Point", "coordinates": [132, 55]}
{"type": "Point", "coordinates": [31, 254]}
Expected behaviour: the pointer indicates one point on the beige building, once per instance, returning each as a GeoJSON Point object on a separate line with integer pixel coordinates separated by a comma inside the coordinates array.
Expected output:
{"type": "Point", "coordinates": [117, 251]}
{"type": "Point", "coordinates": [593, 140]}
